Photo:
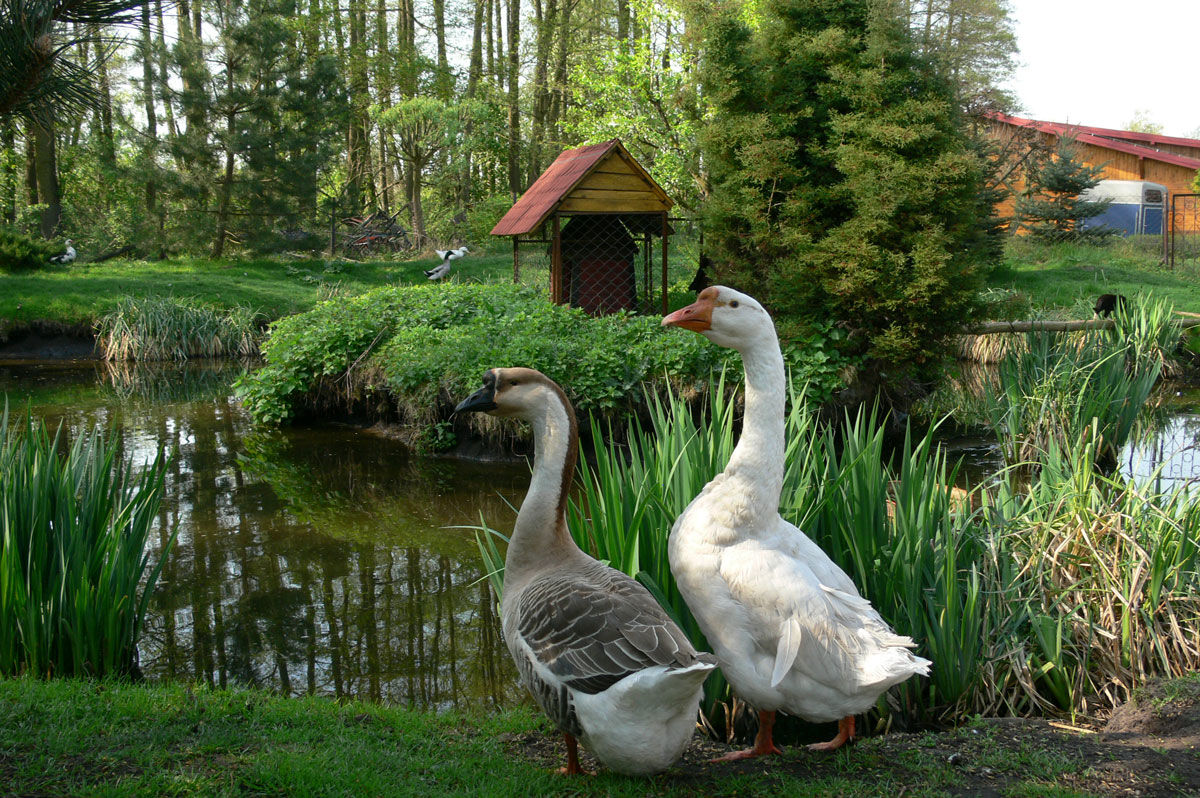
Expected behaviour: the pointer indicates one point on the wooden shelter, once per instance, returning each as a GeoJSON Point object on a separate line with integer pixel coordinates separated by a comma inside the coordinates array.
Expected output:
{"type": "Point", "coordinates": [596, 210]}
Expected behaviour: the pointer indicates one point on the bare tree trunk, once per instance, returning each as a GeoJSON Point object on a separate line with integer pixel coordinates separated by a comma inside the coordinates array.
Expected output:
{"type": "Point", "coordinates": [151, 144]}
{"type": "Point", "coordinates": [547, 21]}
{"type": "Point", "coordinates": [8, 182]}
{"type": "Point", "coordinates": [514, 107]}
{"type": "Point", "coordinates": [46, 166]}
{"type": "Point", "coordinates": [383, 96]}
{"type": "Point", "coordinates": [444, 82]}
{"type": "Point", "coordinates": [227, 183]}
{"type": "Point", "coordinates": [558, 100]}
{"type": "Point", "coordinates": [164, 91]}
{"type": "Point", "coordinates": [473, 74]}
{"type": "Point", "coordinates": [358, 147]}
{"type": "Point", "coordinates": [108, 148]}
{"type": "Point", "coordinates": [31, 187]}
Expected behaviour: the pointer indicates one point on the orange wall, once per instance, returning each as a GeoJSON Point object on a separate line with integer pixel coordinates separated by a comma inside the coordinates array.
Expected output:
{"type": "Point", "coordinates": [1116, 165]}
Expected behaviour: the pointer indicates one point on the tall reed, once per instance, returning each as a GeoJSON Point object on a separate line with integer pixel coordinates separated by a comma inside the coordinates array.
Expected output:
{"type": "Point", "coordinates": [1057, 391]}
{"type": "Point", "coordinates": [1060, 592]}
{"type": "Point", "coordinates": [173, 328]}
{"type": "Point", "coordinates": [75, 575]}
{"type": "Point", "coordinates": [1104, 585]}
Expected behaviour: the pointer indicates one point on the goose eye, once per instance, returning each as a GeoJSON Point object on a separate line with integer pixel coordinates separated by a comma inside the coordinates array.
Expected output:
{"type": "Point", "coordinates": [733, 303]}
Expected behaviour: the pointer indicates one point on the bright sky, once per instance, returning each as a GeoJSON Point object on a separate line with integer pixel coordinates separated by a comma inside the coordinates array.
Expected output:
{"type": "Point", "coordinates": [1099, 62]}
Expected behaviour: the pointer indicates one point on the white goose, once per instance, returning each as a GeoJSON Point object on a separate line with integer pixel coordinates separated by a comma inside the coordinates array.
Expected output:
{"type": "Point", "coordinates": [789, 628]}
{"type": "Point", "coordinates": [597, 652]}
{"type": "Point", "coordinates": [65, 257]}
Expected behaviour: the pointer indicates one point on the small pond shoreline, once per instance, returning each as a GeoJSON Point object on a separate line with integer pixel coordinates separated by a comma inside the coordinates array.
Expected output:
{"type": "Point", "coordinates": [48, 342]}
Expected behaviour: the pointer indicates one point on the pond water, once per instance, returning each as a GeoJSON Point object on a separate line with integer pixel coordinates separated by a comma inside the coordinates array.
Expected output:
{"type": "Point", "coordinates": [325, 559]}
{"type": "Point", "coordinates": [313, 560]}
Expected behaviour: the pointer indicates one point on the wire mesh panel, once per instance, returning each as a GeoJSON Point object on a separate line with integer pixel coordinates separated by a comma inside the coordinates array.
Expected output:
{"type": "Point", "coordinates": [603, 263]}
{"type": "Point", "coordinates": [1185, 229]}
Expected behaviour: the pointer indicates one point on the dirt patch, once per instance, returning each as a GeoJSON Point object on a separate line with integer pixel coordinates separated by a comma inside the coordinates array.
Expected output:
{"type": "Point", "coordinates": [1150, 747]}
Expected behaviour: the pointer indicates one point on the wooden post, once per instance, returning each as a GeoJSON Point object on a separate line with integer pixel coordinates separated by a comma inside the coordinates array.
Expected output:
{"type": "Point", "coordinates": [556, 264]}
{"type": "Point", "coordinates": [665, 227]}
{"type": "Point", "coordinates": [516, 262]}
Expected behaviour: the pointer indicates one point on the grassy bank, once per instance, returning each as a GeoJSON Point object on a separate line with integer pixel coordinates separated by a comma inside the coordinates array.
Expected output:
{"type": "Point", "coordinates": [69, 737]}
{"type": "Point", "coordinates": [1063, 280]}
{"type": "Point", "coordinates": [79, 294]}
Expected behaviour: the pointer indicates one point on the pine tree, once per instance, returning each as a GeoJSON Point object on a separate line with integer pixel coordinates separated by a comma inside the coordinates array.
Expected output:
{"type": "Point", "coordinates": [844, 186]}
{"type": "Point", "coordinates": [1052, 209]}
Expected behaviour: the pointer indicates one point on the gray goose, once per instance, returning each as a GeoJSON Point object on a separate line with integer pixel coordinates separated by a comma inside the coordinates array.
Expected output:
{"type": "Point", "coordinates": [598, 653]}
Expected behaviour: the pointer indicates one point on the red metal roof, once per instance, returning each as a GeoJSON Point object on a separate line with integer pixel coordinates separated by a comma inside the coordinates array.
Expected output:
{"type": "Point", "coordinates": [552, 185]}
{"type": "Point", "coordinates": [1116, 140]}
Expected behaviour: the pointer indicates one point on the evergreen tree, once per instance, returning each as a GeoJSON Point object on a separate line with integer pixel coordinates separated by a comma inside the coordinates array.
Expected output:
{"type": "Point", "coordinates": [844, 186]}
{"type": "Point", "coordinates": [1052, 209]}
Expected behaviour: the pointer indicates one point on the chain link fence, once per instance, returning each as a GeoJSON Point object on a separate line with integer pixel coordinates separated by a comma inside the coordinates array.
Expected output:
{"type": "Point", "coordinates": [607, 263]}
{"type": "Point", "coordinates": [1185, 230]}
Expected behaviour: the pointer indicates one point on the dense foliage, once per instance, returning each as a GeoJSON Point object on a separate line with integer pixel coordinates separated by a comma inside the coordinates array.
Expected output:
{"type": "Point", "coordinates": [216, 126]}
{"type": "Point", "coordinates": [423, 348]}
{"type": "Point", "coordinates": [23, 253]}
{"type": "Point", "coordinates": [843, 184]}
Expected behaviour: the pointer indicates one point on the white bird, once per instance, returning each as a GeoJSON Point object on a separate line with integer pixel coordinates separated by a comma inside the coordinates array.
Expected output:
{"type": "Point", "coordinates": [452, 254]}
{"type": "Point", "coordinates": [66, 257]}
{"type": "Point", "coordinates": [600, 656]}
{"type": "Point", "coordinates": [443, 268]}
{"type": "Point", "coordinates": [788, 626]}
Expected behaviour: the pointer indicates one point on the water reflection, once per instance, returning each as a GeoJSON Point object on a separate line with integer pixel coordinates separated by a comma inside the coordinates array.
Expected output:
{"type": "Point", "coordinates": [307, 561]}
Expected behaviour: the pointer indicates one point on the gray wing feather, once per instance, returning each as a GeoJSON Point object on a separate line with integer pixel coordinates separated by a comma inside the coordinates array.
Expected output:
{"type": "Point", "coordinates": [591, 628]}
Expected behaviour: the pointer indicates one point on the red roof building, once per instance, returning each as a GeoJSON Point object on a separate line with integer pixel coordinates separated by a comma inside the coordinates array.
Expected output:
{"type": "Point", "coordinates": [597, 209]}
{"type": "Point", "coordinates": [1121, 154]}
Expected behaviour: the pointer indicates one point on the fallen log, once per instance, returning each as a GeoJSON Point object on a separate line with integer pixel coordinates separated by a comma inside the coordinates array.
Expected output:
{"type": "Point", "coordinates": [1050, 325]}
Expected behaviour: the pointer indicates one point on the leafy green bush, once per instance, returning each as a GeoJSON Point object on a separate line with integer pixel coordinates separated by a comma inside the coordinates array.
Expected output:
{"type": "Point", "coordinates": [22, 253]}
{"type": "Point", "coordinates": [75, 577]}
{"type": "Point", "coordinates": [422, 348]}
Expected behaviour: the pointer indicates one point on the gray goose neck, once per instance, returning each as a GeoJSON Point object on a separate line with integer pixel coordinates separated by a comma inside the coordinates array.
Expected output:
{"type": "Point", "coordinates": [540, 538]}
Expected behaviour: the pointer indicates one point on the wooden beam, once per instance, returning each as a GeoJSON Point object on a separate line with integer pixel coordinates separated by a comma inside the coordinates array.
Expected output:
{"type": "Point", "coordinates": [613, 205]}
{"type": "Point", "coordinates": [624, 181]}
{"type": "Point", "coordinates": [991, 327]}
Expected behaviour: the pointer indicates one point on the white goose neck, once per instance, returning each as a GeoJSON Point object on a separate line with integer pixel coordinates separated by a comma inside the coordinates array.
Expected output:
{"type": "Point", "coordinates": [540, 537]}
{"type": "Point", "coordinates": [755, 469]}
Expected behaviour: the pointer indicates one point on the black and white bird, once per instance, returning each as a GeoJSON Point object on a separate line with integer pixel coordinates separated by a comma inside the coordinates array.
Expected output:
{"type": "Point", "coordinates": [66, 257]}
{"type": "Point", "coordinates": [1106, 305]}
{"type": "Point", "coordinates": [443, 268]}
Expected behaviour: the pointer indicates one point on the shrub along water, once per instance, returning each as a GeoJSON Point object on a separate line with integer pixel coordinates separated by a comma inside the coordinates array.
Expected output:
{"type": "Point", "coordinates": [75, 576]}
{"type": "Point", "coordinates": [173, 328]}
{"type": "Point", "coordinates": [406, 354]}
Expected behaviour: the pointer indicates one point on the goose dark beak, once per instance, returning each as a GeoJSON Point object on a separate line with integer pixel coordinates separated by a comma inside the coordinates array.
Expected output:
{"type": "Point", "coordinates": [481, 401]}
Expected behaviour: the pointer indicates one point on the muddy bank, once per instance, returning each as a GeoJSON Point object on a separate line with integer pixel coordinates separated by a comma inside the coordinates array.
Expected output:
{"type": "Point", "coordinates": [37, 345]}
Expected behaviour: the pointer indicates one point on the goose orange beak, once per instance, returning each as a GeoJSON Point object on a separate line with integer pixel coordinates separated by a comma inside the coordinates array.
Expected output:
{"type": "Point", "coordinates": [696, 317]}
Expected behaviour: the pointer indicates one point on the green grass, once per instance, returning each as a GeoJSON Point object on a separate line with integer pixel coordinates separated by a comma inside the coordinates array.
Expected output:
{"type": "Point", "coordinates": [75, 737]}
{"type": "Point", "coordinates": [1063, 280]}
{"type": "Point", "coordinates": [79, 294]}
